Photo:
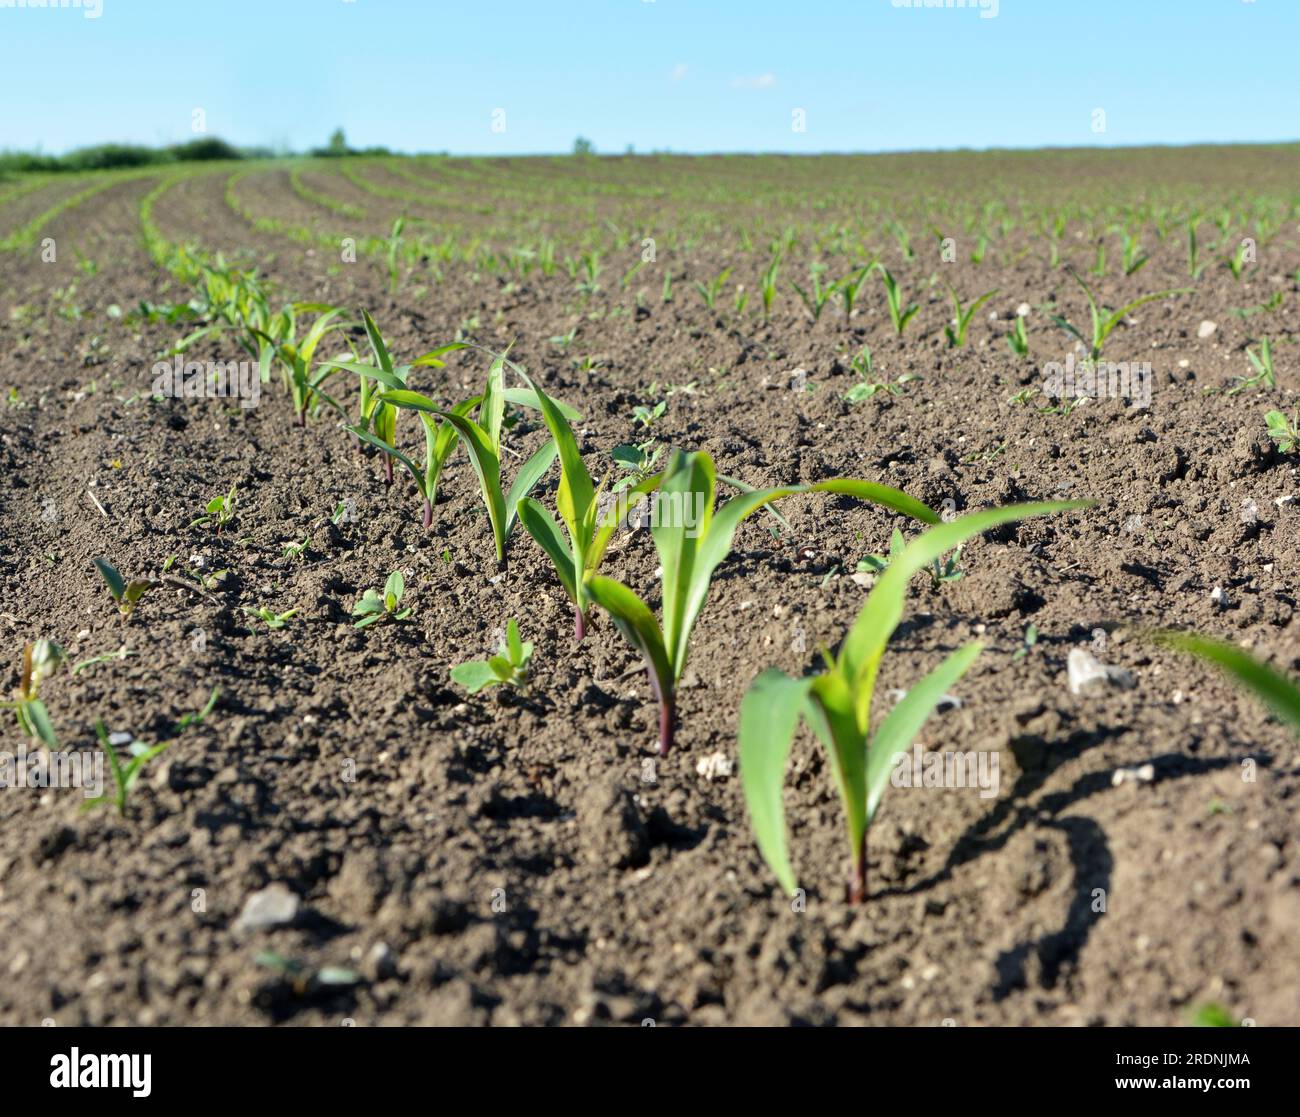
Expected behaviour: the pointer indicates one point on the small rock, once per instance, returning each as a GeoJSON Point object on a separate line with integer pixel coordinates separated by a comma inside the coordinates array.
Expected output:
{"type": "Point", "coordinates": [1144, 774]}
{"type": "Point", "coordinates": [863, 579]}
{"type": "Point", "coordinates": [272, 906]}
{"type": "Point", "coordinates": [1022, 311]}
{"type": "Point", "coordinates": [1086, 673]}
{"type": "Point", "coordinates": [120, 738]}
{"type": "Point", "coordinates": [1206, 329]}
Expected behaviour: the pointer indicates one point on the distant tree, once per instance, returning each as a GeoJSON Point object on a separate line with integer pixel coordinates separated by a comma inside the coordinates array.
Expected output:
{"type": "Point", "coordinates": [583, 146]}
{"type": "Point", "coordinates": [338, 143]}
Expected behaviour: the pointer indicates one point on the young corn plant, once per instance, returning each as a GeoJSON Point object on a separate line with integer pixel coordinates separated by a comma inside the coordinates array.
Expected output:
{"type": "Point", "coordinates": [375, 606]}
{"type": "Point", "coordinates": [305, 382]}
{"type": "Point", "coordinates": [394, 245]}
{"type": "Point", "coordinates": [482, 438]}
{"type": "Point", "coordinates": [956, 333]}
{"type": "Point", "coordinates": [850, 289]}
{"type": "Point", "coordinates": [815, 300]}
{"type": "Point", "coordinates": [837, 702]}
{"type": "Point", "coordinates": [899, 314]}
{"type": "Point", "coordinates": [377, 422]}
{"type": "Point", "coordinates": [578, 503]}
{"type": "Point", "coordinates": [509, 667]}
{"type": "Point", "coordinates": [1018, 338]}
{"type": "Point", "coordinates": [767, 286]}
{"type": "Point", "coordinates": [41, 658]}
{"type": "Point", "coordinates": [692, 540]}
{"type": "Point", "coordinates": [710, 291]}
{"type": "Point", "coordinates": [126, 594]}
{"type": "Point", "coordinates": [1103, 320]}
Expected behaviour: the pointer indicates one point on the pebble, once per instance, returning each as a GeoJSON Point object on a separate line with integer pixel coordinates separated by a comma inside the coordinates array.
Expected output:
{"type": "Point", "coordinates": [1086, 673]}
{"type": "Point", "coordinates": [272, 906]}
{"type": "Point", "coordinates": [1144, 774]}
{"type": "Point", "coordinates": [1206, 329]}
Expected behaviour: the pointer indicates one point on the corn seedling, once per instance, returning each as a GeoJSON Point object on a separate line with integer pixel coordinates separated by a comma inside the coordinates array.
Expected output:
{"type": "Point", "coordinates": [899, 315]}
{"type": "Point", "coordinates": [126, 594]}
{"type": "Point", "coordinates": [1103, 320]}
{"type": "Point", "coordinates": [1027, 643]}
{"type": "Point", "coordinates": [1238, 260]}
{"type": "Point", "coordinates": [816, 300]}
{"type": "Point", "coordinates": [1018, 338]}
{"type": "Point", "coordinates": [1283, 431]}
{"type": "Point", "coordinates": [1132, 258]}
{"type": "Point", "coordinates": [1279, 693]}
{"type": "Point", "coordinates": [710, 291]}
{"type": "Point", "coordinates": [645, 417]}
{"type": "Point", "coordinates": [767, 286]}
{"type": "Point", "coordinates": [375, 606]}
{"type": "Point", "coordinates": [509, 667]}
{"type": "Point", "coordinates": [837, 704]}
{"type": "Point", "coordinates": [865, 389]}
{"type": "Point", "coordinates": [577, 502]}
{"type": "Point", "coordinates": [393, 246]}
{"type": "Point", "coordinates": [1194, 267]}
{"type": "Point", "coordinates": [377, 420]}
{"type": "Point", "coordinates": [296, 357]}
{"type": "Point", "coordinates": [40, 660]}
{"type": "Point", "coordinates": [850, 288]}
{"type": "Point", "coordinates": [127, 774]}
{"type": "Point", "coordinates": [1264, 376]}
{"type": "Point", "coordinates": [482, 438]}
{"type": "Point", "coordinates": [217, 513]}
{"type": "Point", "coordinates": [692, 540]}
{"type": "Point", "coordinates": [956, 333]}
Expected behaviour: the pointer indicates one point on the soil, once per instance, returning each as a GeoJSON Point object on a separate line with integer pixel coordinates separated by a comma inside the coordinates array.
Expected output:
{"type": "Point", "coordinates": [526, 858]}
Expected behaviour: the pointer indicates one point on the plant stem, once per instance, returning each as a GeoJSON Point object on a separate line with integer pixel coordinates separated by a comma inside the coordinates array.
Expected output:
{"type": "Point", "coordinates": [579, 625]}
{"type": "Point", "coordinates": [388, 468]}
{"type": "Point", "coordinates": [428, 514]}
{"type": "Point", "coordinates": [858, 878]}
{"type": "Point", "coordinates": [667, 723]}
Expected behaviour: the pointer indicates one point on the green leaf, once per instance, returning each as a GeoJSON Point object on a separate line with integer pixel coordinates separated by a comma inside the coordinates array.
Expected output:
{"type": "Point", "coordinates": [116, 583]}
{"type": "Point", "coordinates": [513, 643]}
{"type": "Point", "coordinates": [501, 667]}
{"type": "Point", "coordinates": [865, 644]}
{"type": "Point", "coordinates": [393, 590]}
{"type": "Point", "coordinates": [1277, 691]}
{"type": "Point", "coordinates": [473, 676]}
{"type": "Point", "coordinates": [634, 620]}
{"type": "Point", "coordinates": [542, 527]}
{"type": "Point", "coordinates": [533, 470]}
{"type": "Point", "coordinates": [769, 718]}
{"type": "Point", "coordinates": [905, 720]}
{"type": "Point", "coordinates": [39, 719]}
{"type": "Point", "coordinates": [483, 457]}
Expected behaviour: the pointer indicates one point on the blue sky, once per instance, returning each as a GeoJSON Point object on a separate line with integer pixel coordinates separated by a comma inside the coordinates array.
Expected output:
{"type": "Point", "coordinates": [685, 75]}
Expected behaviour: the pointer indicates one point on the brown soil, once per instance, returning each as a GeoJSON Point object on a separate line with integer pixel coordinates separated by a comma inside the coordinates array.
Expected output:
{"type": "Point", "coordinates": [526, 859]}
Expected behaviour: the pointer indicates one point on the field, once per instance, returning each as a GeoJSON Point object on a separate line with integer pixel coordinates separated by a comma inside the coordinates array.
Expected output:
{"type": "Point", "coordinates": [524, 854]}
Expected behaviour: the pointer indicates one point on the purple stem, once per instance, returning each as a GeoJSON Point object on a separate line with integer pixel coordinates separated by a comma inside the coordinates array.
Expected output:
{"type": "Point", "coordinates": [858, 878]}
{"type": "Point", "coordinates": [579, 625]}
{"type": "Point", "coordinates": [428, 514]}
{"type": "Point", "coordinates": [388, 468]}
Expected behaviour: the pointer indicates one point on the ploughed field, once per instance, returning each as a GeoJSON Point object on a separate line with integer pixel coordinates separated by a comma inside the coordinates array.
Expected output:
{"type": "Point", "coordinates": [347, 834]}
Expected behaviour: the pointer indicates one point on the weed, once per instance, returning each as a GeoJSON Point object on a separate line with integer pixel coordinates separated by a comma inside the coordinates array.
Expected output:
{"type": "Point", "coordinates": [509, 667]}
{"type": "Point", "coordinates": [375, 606]}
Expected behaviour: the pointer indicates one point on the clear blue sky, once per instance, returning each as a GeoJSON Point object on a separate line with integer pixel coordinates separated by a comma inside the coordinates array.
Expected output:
{"type": "Point", "coordinates": [690, 75]}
